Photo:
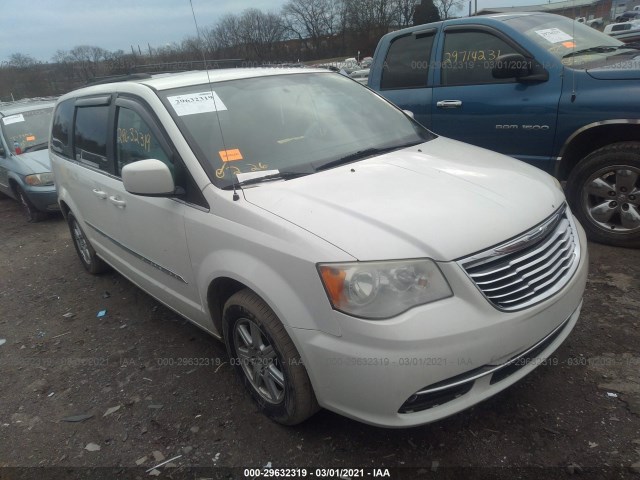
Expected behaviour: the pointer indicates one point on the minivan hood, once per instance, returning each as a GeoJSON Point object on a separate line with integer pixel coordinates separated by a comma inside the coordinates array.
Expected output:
{"type": "Point", "coordinates": [36, 161]}
{"type": "Point", "coordinates": [443, 199]}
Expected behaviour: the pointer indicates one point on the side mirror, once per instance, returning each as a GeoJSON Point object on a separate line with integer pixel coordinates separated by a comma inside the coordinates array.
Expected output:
{"type": "Point", "coordinates": [151, 178]}
{"type": "Point", "coordinates": [511, 65]}
{"type": "Point", "coordinates": [409, 113]}
{"type": "Point", "coordinates": [514, 65]}
{"type": "Point", "coordinates": [2, 152]}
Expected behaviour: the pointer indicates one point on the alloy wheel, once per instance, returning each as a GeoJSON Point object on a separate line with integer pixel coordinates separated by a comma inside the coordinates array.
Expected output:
{"type": "Point", "coordinates": [259, 361]}
{"type": "Point", "coordinates": [82, 243]}
{"type": "Point", "coordinates": [611, 199]}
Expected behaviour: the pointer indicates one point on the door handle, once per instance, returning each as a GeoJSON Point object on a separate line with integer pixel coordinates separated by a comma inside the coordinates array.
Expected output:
{"type": "Point", "coordinates": [99, 193]}
{"type": "Point", "coordinates": [449, 104]}
{"type": "Point", "coordinates": [117, 202]}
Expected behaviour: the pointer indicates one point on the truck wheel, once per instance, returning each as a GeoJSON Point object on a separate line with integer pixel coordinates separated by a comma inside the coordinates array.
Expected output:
{"type": "Point", "coordinates": [266, 359]}
{"type": "Point", "coordinates": [30, 211]}
{"type": "Point", "coordinates": [92, 263]}
{"type": "Point", "coordinates": [604, 192]}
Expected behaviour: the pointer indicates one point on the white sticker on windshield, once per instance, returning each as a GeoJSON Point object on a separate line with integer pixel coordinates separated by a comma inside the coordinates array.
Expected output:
{"type": "Point", "coordinates": [554, 35]}
{"type": "Point", "coordinates": [193, 103]}
{"type": "Point", "coordinates": [13, 119]}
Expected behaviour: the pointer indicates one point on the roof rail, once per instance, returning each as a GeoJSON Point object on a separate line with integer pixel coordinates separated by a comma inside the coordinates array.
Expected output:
{"type": "Point", "coordinates": [117, 78]}
{"type": "Point", "coordinates": [189, 65]}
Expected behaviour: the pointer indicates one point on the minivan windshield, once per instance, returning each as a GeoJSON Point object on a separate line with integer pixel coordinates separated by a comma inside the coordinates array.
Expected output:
{"type": "Point", "coordinates": [28, 130]}
{"type": "Point", "coordinates": [286, 124]}
{"type": "Point", "coordinates": [575, 43]}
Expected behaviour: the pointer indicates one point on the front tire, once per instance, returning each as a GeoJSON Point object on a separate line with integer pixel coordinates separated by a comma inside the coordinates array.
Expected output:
{"type": "Point", "coordinates": [91, 262]}
{"type": "Point", "coordinates": [604, 192]}
{"type": "Point", "coordinates": [266, 360]}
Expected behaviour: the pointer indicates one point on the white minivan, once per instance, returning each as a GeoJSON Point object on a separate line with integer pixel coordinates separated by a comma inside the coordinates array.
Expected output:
{"type": "Point", "coordinates": [349, 258]}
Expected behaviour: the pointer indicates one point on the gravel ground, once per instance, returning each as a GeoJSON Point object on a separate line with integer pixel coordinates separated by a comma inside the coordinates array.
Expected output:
{"type": "Point", "coordinates": [137, 400]}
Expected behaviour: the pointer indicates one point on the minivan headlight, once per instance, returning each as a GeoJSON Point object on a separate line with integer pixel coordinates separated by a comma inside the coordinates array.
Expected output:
{"type": "Point", "coordinates": [39, 179]}
{"type": "Point", "coordinates": [378, 290]}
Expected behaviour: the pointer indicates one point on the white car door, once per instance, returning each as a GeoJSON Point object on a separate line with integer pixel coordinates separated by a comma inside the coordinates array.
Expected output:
{"type": "Point", "coordinates": [152, 234]}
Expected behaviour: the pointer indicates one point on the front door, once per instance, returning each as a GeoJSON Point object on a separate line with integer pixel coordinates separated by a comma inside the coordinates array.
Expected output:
{"type": "Point", "coordinates": [517, 119]}
{"type": "Point", "coordinates": [152, 233]}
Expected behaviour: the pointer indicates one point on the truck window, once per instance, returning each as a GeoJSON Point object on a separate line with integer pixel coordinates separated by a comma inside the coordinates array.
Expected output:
{"type": "Point", "coordinates": [407, 62]}
{"type": "Point", "coordinates": [469, 56]}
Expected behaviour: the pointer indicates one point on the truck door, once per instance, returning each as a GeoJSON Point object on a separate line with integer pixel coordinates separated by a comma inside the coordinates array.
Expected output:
{"type": "Point", "coordinates": [469, 104]}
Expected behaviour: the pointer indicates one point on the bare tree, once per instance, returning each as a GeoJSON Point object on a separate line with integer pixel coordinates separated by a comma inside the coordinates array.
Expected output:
{"type": "Point", "coordinates": [20, 60]}
{"type": "Point", "coordinates": [225, 35]}
{"type": "Point", "coordinates": [312, 21]}
{"type": "Point", "coordinates": [446, 8]}
{"type": "Point", "coordinates": [87, 58]}
{"type": "Point", "coordinates": [260, 32]}
{"type": "Point", "coordinates": [367, 20]}
{"type": "Point", "coordinates": [404, 11]}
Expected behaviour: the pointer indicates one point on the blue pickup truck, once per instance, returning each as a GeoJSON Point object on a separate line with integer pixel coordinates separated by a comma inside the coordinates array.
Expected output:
{"type": "Point", "coordinates": [539, 87]}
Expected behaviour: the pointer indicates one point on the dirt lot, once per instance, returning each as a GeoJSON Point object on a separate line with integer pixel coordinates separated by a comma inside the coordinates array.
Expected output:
{"type": "Point", "coordinates": [578, 416]}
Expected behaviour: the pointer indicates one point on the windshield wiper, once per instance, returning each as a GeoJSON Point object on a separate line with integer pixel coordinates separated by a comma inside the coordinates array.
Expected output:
{"type": "Point", "coordinates": [599, 49]}
{"type": "Point", "coordinates": [360, 154]}
{"type": "Point", "coordinates": [35, 146]}
{"type": "Point", "coordinates": [266, 178]}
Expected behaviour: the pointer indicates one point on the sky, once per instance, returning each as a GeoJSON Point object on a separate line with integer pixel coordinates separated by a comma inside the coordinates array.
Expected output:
{"type": "Point", "coordinates": [39, 28]}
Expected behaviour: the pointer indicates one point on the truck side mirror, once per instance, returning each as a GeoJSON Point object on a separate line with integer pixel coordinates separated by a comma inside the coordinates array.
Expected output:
{"type": "Point", "coordinates": [511, 65]}
{"type": "Point", "coordinates": [515, 65]}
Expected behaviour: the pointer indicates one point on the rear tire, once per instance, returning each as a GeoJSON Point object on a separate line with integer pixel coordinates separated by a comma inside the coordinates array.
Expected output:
{"type": "Point", "coordinates": [32, 214]}
{"type": "Point", "coordinates": [604, 192]}
{"type": "Point", "coordinates": [91, 262]}
{"type": "Point", "coordinates": [266, 360]}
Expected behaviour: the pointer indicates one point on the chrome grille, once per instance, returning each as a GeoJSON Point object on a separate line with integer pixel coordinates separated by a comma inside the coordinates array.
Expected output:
{"type": "Point", "coordinates": [529, 268]}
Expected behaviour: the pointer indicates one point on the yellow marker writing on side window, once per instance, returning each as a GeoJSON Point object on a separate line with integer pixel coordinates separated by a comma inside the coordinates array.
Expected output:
{"type": "Point", "coordinates": [30, 138]}
{"type": "Point", "coordinates": [231, 155]}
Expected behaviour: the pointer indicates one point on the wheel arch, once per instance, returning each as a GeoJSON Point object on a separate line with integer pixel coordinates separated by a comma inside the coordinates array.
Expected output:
{"type": "Point", "coordinates": [14, 185]}
{"type": "Point", "coordinates": [218, 292]}
{"type": "Point", "coordinates": [592, 137]}
{"type": "Point", "coordinates": [295, 302]}
{"type": "Point", "coordinates": [64, 208]}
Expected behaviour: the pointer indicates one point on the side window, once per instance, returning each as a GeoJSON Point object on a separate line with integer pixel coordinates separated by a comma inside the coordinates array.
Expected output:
{"type": "Point", "coordinates": [91, 134]}
{"type": "Point", "coordinates": [468, 58]}
{"type": "Point", "coordinates": [407, 62]}
{"type": "Point", "coordinates": [61, 129]}
{"type": "Point", "coordinates": [135, 141]}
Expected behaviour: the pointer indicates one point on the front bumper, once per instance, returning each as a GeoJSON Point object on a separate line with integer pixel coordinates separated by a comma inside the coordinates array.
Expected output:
{"type": "Point", "coordinates": [44, 199]}
{"type": "Point", "coordinates": [373, 372]}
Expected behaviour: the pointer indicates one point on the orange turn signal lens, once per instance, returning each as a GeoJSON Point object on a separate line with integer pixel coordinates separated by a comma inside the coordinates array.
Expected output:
{"type": "Point", "coordinates": [333, 280]}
